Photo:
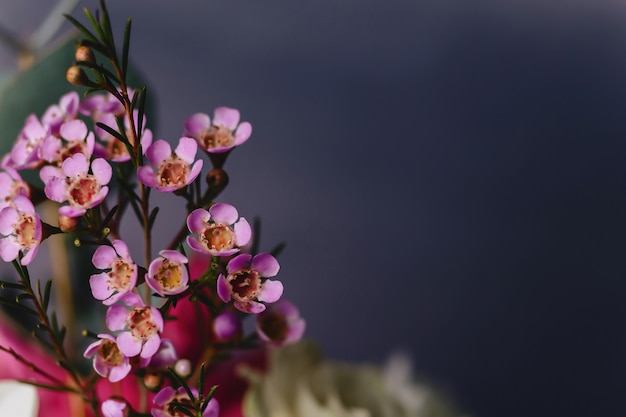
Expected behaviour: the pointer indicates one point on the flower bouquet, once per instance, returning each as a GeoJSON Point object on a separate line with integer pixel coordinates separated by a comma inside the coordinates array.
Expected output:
{"type": "Point", "coordinates": [165, 332]}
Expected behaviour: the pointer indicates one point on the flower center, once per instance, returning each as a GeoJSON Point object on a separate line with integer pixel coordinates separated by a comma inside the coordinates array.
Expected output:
{"type": "Point", "coordinates": [71, 149]}
{"type": "Point", "coordinates": [274, 325]}
{"type": "Point", "coordinates": [25, 230]}
{"type": "Point", "coordinates": [217, 137]}
{"type": "Point", "coordinates": [120, 275]}
{"type": "Point", "coordinates": [140, 323]}
{"type": "Point", "coordinates": [173, 172]}
{"type": "Point", "coordinates": [116, 149]}
{"type": "Point", "coordinates": [218, 237]}
{"type": "Point", "coordinates": [110, 353]}
{"type": "Point", "coordinates": [246, 284]}
{"type": "Point", "coordinates": [170, 275]}
{"type": "Point", "coordinates": [83, 190]}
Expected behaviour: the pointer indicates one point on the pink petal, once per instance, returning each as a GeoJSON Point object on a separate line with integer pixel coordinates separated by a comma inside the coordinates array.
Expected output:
{"type": "Point", "coordinates": [8, 217]}
{"type": "Point", "coordinates": [195, 245]}
{"type": "Point", "coordinates": [122, 249]}
{"type": "Point", "coordinates": [196, 123]}
{"type": "Point", "coordinates": [186, 149]}
{"type": "Point", "coordinates": [73, 130]}
{"type": "Point", "coordinates": [151, 346]}
{"type": "Point", "coordinates": [56, 190]}
{"type": "Point", "coordinates": [266, 264]}
{"type": "Point", "coordinates": [99, 287]}
{"type": "Point", "coordinates": [224, 289]}
{"type": "Point", "coordinates": [195, 171]}
{"type": "Point", "coordinates": [223, 213]}
{"type": "Point", "coordinates": [9, 249]}
{"type": "Point", "coordinates": [103, 257]}
{"type": "Point", "coordinates": [145, 174]}
{"type": "Point", "coordinates": [128, 345]}
{"type": "Point", "coordinates": [242, 133]}
{"type": "Point", "coordinates": [159, 151]}
{"type": "Point", "coordinates": [239, 262]}
{"type": "Point", "coordinates": [119, 372]}
{"type": "Point", "coordinates": [116, 317]}
{"type": "Point", "coordinates": [227, 117]}
{"type": "Point", "coordinates": [271, 291]}
{"type": "Point", "coordinates": [243, 232]}
{"type": "Point", "coordinates": [197, 219]}
{"type": "Point", "coordinates": [101, 170]}
{"type": "Point", "coordinates": [251, 307]}
{"type": "Point", "coordinates": [75, 165]}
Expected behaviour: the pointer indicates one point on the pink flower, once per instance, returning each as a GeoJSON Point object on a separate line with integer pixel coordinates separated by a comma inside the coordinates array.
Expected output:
{"type": "Point", "coordinates": [144, 326]}
{"type": "Point", "coordinates": [280, 324]}
{"type": "Point", "coordinates": [108, 361]}
{"type": "Point", "coordinates": [219, 232]}
{"type": "Point", "coordinates": [66, 110]}
{"type": "Point", "coordinates": [25, 151]}
{"type": "Point", "coordinates": [122, 277]}
{"type": "Point", "coordinates": [114, 408]}
{"type": "Point", "coordinates": [245, 285]}
{"type": "Point", "coordinates": [21, 227]}
{"type": "Point", "coordinates": [73, 183]}
{"type": "Point", "coordinates": [167, 274]}
{"type": "Point", "coordinates": [174, 170]}
{"type": "Point", "coordinates": [12, 185]}
{"type": "Point", "coordinates": [164, 399]}
{"type": "Point", "coordinates": [227, 325]}
{"type": "Point", "coordinates": [115, 149]}
{"type": "Point", "coordinates": [223, 134]}
{"type": "Point", "coordinates": [74, 138]}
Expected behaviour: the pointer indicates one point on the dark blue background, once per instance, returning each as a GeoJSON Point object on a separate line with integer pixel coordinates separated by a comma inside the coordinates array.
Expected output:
{"type": "Point", "coordinates": [449, 177]}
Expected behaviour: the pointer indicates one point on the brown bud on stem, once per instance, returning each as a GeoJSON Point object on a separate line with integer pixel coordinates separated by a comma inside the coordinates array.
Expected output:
{"type": "Point", "coordinates": [84, 54]}
{"type": "Point", "coordinates": [217, 179]}
{"type": "Point", "coordinates": [153, 380]}
{"type": "Point", "coordinates": [76, 76]}
{"type": "Point", "coordinates": [67, 224]}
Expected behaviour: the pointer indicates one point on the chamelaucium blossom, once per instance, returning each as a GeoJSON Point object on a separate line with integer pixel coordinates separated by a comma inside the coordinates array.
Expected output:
{"type": "Point", "coordinates": [174, 170]}
{"type": "Point", "coordinates": [245, 283]}
{"type": "Point", "coordinates": [114, 149]}
{"type": "Point", "coordinates": [114, 408]}
{"type": "Point", "coordinates": [74, 137]}
{"type": "Point", "coordinates": [168, 395]}
{"type": "Point", "coordinates": [220, 136]}
{"type": "Point", "coordinates": [167, 274]}
{"type": "Point", "coordinates": [73, 183]}
{"type": "Point", "coordinates": [21, 228]}
{"type": "Point", "coordinates": [142, 326]}
{"type": "Point", "coordinates": [219, 232]}
{"type": "Point", "coordinates": [122, 277]}
{"type": "Point", "coordinates": [108, 361]}
{"type": "Point", "coordinates": [280, 324]}
{"type": "Point", "coordinates": [12, 185]}
{"type": "Point", "coordinates": [25, 151]}
{"type": "Point", "coordinates": [57, 114]}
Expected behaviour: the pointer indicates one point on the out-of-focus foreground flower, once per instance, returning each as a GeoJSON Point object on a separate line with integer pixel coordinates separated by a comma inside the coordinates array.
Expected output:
{"type": "Point", "coordinates": [299, 383]}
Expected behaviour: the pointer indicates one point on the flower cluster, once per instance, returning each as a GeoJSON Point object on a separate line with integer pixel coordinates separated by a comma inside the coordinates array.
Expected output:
{"type": "Point", "coordinates": [95, 158]}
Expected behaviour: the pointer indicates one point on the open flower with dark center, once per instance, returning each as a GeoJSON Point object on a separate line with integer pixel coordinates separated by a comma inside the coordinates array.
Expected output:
{"type": "Point", "coordinates": [114, 149]}
{"type": "Point", "coordinates": [11, 185]}
{"type": "Point", "coordinates": [73, 183]}
{"type": "Point", "coordinates": [168, 400]}
{"type": "Point", "coordinates": [142, 324]}
{"type": "Point", "coordinates": [74, 137]}
{"type": "Point", "coordinates": [246, 283]}
{"type": "Point", "coordinates": [220, 136]}
{"type": "Point", "coordinates": [121, 277]}
{"type": "Point", "coordinates": [218, 230]}
{"type": "Point", "coordinates": [108, 361]}
{"type": "Point", "coordinates": [280, 324]}
{"type": "Point", "coordinates": [167, 274]}
{"type": "Point", "coordinates": [170, 171]}
{"type": "Point", "coordinates": [21, 229]}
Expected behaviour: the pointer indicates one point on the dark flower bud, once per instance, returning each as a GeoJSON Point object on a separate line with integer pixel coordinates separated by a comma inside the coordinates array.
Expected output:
{"type": "Point", "coordinates": [153, 380]}
{"type": "Point", "coordinates": [217, 179]}
{"type": "Point", "coordinates": [76, 76]}
{"type": "Point", "coordinates": [67, 224]}
{"type": "Point", "coordinates": [84, 54]}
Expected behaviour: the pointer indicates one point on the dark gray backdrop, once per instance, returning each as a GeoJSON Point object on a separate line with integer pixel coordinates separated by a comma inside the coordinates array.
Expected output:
{"type": "Point", "coordinates": [449, 176]}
